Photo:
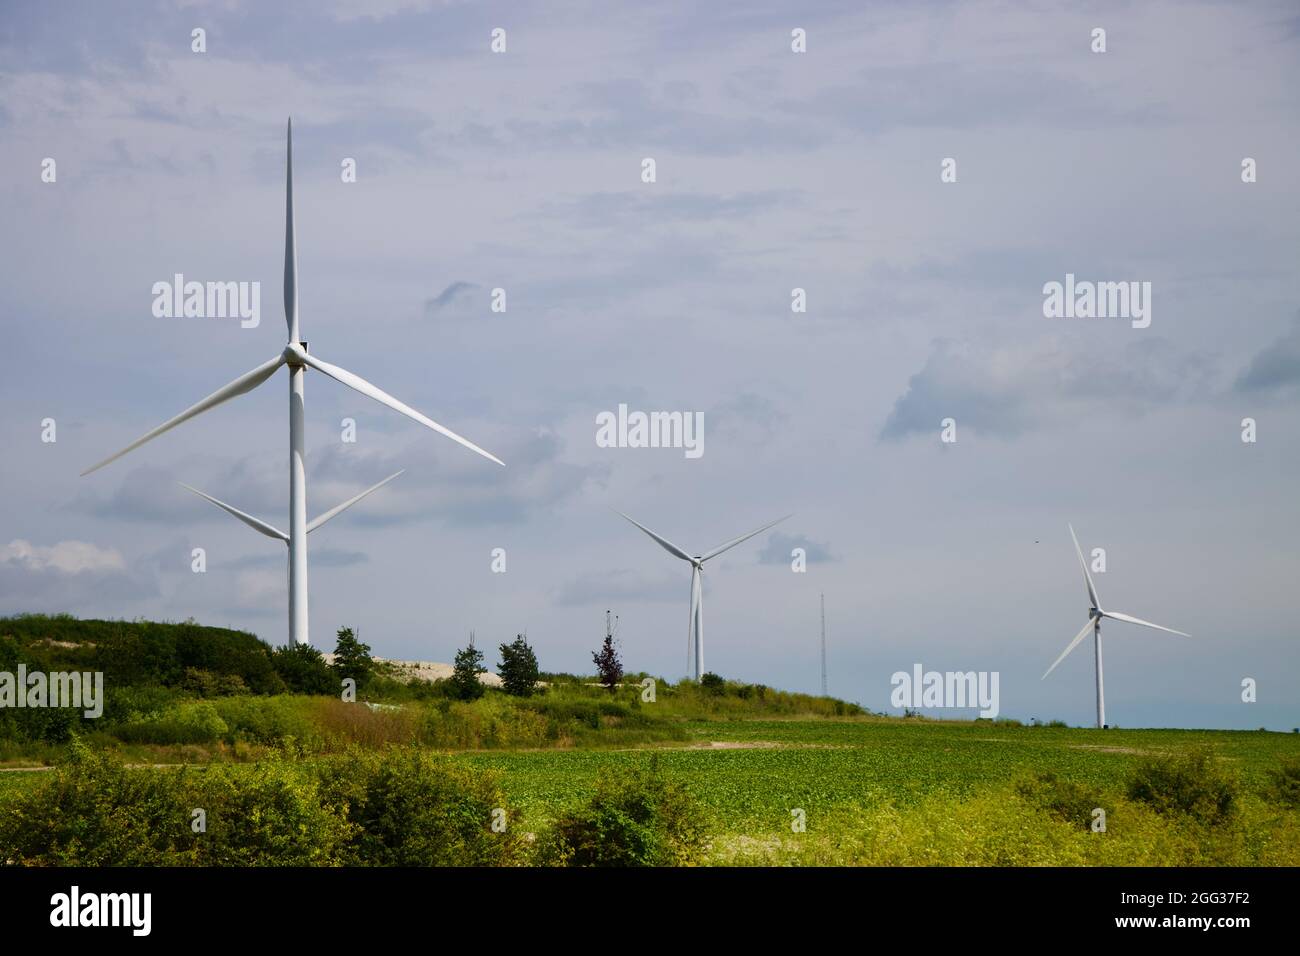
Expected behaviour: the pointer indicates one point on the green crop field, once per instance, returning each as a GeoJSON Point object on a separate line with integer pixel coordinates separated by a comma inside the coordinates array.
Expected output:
{"type": "Point", "coordinates": [875, 790]}
{"type": "Point", "coordinates": [832, 768]}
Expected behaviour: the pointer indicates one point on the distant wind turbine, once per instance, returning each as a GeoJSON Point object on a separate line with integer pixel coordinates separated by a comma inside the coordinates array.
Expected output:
{"type": "Point", "coordinates": [695, 628]}
{"type": "Point", "coordinates": [1094, 624]}
{"type": "Point", "coordinates": [295, 356]}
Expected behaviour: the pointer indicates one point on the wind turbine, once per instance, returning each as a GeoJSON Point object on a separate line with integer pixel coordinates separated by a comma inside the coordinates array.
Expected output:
{"type": "Point", "coordinates": [695, 628]}
{"type": "Point", "coordinates": [296, 357]}
{"type": "Point", "coordinates": [1095, 614]}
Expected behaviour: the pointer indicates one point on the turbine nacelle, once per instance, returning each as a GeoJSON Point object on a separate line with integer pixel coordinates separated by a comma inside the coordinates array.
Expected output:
{"type": "Point", "coordinates": [295, 354]}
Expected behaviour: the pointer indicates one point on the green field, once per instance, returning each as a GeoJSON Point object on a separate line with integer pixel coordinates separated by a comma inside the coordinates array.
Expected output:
{"type": "Point", "coordinates": [892, 791]}
{"type": "Point", "coordinates": [570, 773]}
{"type": "Point", "coordinates": [824, 766]}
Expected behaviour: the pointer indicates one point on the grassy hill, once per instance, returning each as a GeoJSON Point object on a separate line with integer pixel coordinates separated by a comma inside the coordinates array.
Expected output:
{"type": "Point", "coordinates": [184, 692]}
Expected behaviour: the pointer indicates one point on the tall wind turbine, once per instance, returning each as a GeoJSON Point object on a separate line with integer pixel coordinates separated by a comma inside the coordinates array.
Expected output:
{"type": "Point", "coordinates": [695, 629]}
{"type": "Point", "coordinates": [295, 356]}
{"type": "Point", "coordinates": [1095, 614]}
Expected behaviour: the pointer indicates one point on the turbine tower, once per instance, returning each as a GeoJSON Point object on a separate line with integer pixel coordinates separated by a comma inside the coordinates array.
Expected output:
{"type": "Point", "coordinates": [295, 356]}
{"type": "Point", "coordinates": [1095, 614]}
{"type": "Point", "coordinates": [695, 628]}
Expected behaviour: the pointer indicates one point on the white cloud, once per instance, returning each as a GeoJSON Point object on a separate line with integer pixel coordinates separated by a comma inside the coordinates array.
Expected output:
{"type": "Point", "coordinates": [68, 557]}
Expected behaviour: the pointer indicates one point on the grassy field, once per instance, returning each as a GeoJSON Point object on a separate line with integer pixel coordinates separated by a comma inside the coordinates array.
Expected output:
{"type": "Point", "coordinates": [713, 772]}
{"type": "Point", "coordinates": [824, 766]}
{"type": "Point", "coordinates": [891, 791]}
{"type": "Point", "coordinates": [866, 782]}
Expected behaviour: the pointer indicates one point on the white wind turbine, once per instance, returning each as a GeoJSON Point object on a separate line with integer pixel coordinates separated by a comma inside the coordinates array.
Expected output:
{"type": "Point", "coordinates": [695, 629]}
{"type": "Point", "coordinates": [295, 356]}
{"type": "Point", "coordinates": [1094, 624]}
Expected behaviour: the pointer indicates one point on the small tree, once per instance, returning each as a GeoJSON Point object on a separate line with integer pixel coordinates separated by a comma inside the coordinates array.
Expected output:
{"type": "Point", "coordinates": [352, 658]}
{"type": "Point", "coordinates": [464, 677]}
{"type": "Point", "coordinates": [607, 662]}
{"type": "Point", "coordinates": [303, 670]}
{"type": "Point", "coordinates": [518, 667]}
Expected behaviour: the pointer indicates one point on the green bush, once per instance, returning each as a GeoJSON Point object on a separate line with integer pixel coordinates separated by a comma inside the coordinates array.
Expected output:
{"type": "Point", "coordinates": [408, 807]}
{"type": "Point", "coordinates": [1066, 800]}
{"type": "Point", "coordinates": [1284, 783]}
{"type": "Point", "coordinates": [1192, 784]}
{"type": "Point", "coordinates": [125, 705]}
{"type": "Point", "coordinates": [190, 722]}
{"type": "Point", "coordinates": [303, 670]}
{"type": "Point", "coordinates": [269, 720]}
{"type": "Point", "coordinates": [95, 811]}
{"type": "Point", "coordinates": [203, 683]}
{"type": "Point", "coordinates": [634, 819]}
{"type": "Point", "coordinates": [713, 684]}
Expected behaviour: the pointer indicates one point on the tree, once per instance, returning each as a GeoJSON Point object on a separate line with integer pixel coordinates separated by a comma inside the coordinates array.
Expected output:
{"type": "Point", "coordinates": [608, 665]}
{"type": "Point", "coordinates": [518, 667]}
{"type": "Point", "coordinates": [464, 676]}
{"type": "Point", "coordinates": [352, 658]}
{"type": "Point", "coordinates": [303, 670]}
{"type": "Point", "coordinates": [713, 684]}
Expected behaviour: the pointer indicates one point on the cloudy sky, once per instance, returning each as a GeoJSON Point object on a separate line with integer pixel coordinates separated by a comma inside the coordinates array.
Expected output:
{"type": "Point", "coordinates": [775, 170]}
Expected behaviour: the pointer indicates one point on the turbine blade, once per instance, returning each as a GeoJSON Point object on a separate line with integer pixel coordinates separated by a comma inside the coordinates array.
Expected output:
{"type": "Point", "coordinates": [290, 243]}
{"type": "Point", "coordinates": [663, 542]}
{"type": "Point", "coordinates": [735, 541]}
{"type": "Point", "coordinates": [379, 395]}
{"type": "Point", "coordinates": [1137, 620]}
{"type": "Point", "coordinates": [1073, 644]}
{"type": "Point", "coordinates": [318, 521]}
{"type": "Point", "coordinates": [245, 383]}
{"type": "Point", "coordinates": [255, 523]}
{"type": "Point", "coordinates": [1087, 578]}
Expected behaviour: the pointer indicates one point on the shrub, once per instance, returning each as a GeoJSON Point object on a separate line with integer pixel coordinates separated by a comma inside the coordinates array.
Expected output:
{"type": "Point", "coordinates": [634, 819]}
{"type": "Point", "coordinates": [269, 720]}
{"type": "Point", "coordinates": [95, 811]}
{"type": "Point", "coordinates": [304, 671]}
{"type": "Point", "coordinates": [1284, 783]}
{"type": "Point", "coordinates": [207, 684]}
{"type": "Point", "coordinates": [408, 807]}
{"type": "Point", "coordinates": [1066, 800]}
{"type": "Point", "coordinates": [191, 722]}
{"type": "Point", "coordinates": [713, 684]}
{"type": "Point", "coordinates": [1191, 784]}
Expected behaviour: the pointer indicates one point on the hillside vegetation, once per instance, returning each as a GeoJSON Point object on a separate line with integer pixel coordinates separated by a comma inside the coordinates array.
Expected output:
{"type": "Point", "coordinates": [184, 692]}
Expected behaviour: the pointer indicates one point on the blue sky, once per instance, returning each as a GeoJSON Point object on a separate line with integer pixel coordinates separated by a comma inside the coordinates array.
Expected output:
{"type": "Point", "coordinates": [775, 170]}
